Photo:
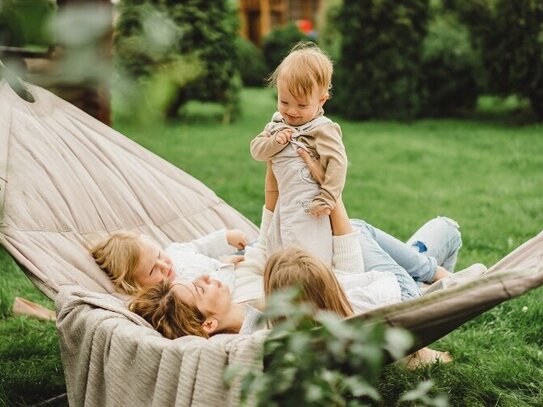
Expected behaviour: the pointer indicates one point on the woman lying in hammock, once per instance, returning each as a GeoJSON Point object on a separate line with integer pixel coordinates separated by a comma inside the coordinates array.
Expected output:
{"type": "Point", "coordinates": [134, 261]}
{"type": "Point", "coordinates": [204, 307]}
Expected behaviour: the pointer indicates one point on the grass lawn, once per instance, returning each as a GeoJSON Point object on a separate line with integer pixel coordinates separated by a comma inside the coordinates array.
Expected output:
{"type": "Point", "coordinates": [485, 172]}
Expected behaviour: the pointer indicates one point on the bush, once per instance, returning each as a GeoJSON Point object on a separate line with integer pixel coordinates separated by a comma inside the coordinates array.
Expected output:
{"type": "Point", "coordinates": [378, 73]}
{"type": "Point", "coordinates": [153, 32]}
{"type": "Point", "coordinates": [510, 37]}
{"type": "Point", "coordinates": [24, 22]}
{"type": "Point", "coordinates": [277, 44]}
{"type": "Point", "coordinates": [308, 366]}
{"type": "Point", "coordinates": [252, 67]}
{"type": "Point", "coordinates": [449, 67]}
{"type": "Point", "coordinates": [328, 28]}
{"type": "Point", "coordinates": [328, 363]}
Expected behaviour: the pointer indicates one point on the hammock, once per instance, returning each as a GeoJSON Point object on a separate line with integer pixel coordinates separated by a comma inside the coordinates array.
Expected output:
{"type": "Point", "coordinates": [66, 180]}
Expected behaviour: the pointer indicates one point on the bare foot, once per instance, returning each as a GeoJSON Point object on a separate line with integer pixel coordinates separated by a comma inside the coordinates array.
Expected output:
{"type": "Point", "coordinates": [23, 307]}
{"type": "Point", "coordinates": [424, 357]}
{"type": "Point", "coordinates": [441, 273]}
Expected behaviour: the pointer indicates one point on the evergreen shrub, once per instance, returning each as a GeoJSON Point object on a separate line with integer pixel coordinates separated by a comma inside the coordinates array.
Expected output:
{"type": "Point", "coordinates": [252, 67]}
{"type": "Point", "coordinates": [277, 44]}
{"type": "Point", "coordinates": [378, 73]}
{"type": "Point", "coordinates": [153, 33]}
{"type": "Point", "coordinates": [329, 36]}
{"type": "Point", "coordinates": [24, 22]}
{"type": "Point", "coordinates": [450, 67]}
{"type": "Point", "coordinates": [510, 37]}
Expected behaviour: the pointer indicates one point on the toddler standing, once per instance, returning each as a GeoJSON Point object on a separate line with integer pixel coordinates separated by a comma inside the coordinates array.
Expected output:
{"type": "Point", "coordinates": [303, 81]}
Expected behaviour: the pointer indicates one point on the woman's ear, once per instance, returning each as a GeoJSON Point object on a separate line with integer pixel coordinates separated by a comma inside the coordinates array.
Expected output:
{"type": "Point", "coordinates": [210, 325]}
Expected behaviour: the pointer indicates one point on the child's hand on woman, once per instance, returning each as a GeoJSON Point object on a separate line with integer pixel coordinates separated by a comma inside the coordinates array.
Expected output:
{"type": "Point", "coordinates": [236, 238]}
{"type": "Point", "coordinates": [234, 259]}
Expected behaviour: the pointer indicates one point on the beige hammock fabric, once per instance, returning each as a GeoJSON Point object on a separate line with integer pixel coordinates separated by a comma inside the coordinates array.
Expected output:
{"type": "Point", "coordinates": [66, 180]}
{"type": "Point", "coordinates": [112, 357]}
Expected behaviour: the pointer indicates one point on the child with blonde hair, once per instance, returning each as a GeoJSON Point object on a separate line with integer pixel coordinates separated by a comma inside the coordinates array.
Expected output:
{"type": "Point", "coordinates": [134, 261]}
{"type": "Point", "coordinates": [303, 82]}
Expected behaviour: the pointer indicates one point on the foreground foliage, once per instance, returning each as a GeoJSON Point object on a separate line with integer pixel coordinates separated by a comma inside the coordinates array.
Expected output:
{"type": "Point", "coordinates": [321, 360]}
{"type": "Point", "coordinates": [153, 34]}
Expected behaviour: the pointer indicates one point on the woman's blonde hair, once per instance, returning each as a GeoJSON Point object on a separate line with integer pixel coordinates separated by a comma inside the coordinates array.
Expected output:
{"type": "Point", "coordinates": [165, 311]}
{"type": "Point", "coordinates": [119, 256]}
{"type": "Point", "coordinates": [296, 267]}
{"type": "Point", "coordinates": [304, 70]}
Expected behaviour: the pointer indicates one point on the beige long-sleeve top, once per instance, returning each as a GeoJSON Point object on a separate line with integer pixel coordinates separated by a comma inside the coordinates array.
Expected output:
{"type": "Point", "coordinates": [323, 142]}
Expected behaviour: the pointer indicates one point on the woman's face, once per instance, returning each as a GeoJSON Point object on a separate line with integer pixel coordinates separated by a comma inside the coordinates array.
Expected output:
{"type": "Point", "coordinates": [210, 296]}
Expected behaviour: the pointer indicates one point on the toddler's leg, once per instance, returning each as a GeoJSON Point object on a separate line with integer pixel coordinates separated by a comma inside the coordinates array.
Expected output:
{"type": "Point", "coordinates": [375, 258]}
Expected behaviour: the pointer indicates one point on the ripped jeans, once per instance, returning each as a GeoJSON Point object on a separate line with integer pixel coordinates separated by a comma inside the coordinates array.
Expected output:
{"type": "Point", "coordinates": [436, 243]}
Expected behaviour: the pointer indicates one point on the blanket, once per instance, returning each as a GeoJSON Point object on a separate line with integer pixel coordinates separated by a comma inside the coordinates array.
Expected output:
{"type": "Point", "coordinates": [112, 357]}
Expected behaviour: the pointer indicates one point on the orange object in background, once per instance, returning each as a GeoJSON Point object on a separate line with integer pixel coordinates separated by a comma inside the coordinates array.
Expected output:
{"type": "Point", "coordinates": [305, 26]}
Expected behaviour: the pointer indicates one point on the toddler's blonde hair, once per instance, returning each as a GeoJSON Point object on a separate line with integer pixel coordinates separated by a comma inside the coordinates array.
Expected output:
{"type": "Point", "coordinates": [167, 313]}
{"type": "Point", "coordinates": [293, 267]}
{"type": "Point", "coordinates": [304, 70]}
{"type": "Point", "coordinates": [119, 256]}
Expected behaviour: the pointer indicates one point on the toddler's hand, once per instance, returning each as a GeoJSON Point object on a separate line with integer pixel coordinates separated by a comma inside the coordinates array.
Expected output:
{"type": "Point", "coordinates": [284, 136]}
{"type": "Point", "coordinates": [234, 259]}
{"type": "Point", "coordinates": [236, 238]}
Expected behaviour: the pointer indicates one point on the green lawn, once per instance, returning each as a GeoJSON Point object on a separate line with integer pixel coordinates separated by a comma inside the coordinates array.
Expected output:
{"type": "Point", "coordinates": [485, 172]}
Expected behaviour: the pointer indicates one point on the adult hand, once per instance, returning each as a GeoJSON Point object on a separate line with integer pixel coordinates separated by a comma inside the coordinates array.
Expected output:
{"type": "Point", "coordinates": [317, 212]}
{"type": "Point", "coordinates": [313, 165]}
{"type": "Point", "coordinates": [236, 238]}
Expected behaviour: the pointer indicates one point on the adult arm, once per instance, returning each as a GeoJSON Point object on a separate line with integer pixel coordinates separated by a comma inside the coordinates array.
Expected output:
{"type": "Point", "coordinates": [271, 190]}
{"type": "Point", "coordinates": [347, 255]}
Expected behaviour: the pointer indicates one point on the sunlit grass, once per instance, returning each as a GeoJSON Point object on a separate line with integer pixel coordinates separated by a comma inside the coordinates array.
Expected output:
{"type": "Point", "coordinates": [484, 172]}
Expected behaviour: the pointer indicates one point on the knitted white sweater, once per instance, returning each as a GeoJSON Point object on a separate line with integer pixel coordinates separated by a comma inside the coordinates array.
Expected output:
{"type": "Point", "coordinates": [364, 289]}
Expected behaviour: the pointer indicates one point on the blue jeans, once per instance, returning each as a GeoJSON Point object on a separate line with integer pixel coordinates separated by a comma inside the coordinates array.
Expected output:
{"type": "Point", "coordinates": [436, 243]}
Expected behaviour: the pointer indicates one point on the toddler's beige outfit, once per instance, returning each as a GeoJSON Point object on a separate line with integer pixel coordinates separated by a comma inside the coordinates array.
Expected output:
{"type": "Point", "coordinates": [299, 193]}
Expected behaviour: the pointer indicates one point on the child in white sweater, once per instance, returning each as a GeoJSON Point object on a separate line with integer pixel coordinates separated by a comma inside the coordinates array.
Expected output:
{"type": "Point", "coordinates": [135, 261]}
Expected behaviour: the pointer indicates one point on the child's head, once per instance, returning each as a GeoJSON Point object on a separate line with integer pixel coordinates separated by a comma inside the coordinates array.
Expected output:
{"type": "Point", "coordinates": [319, 286]}
{"type": "Point", "coordinates": [303, 80]}
{"type": "Point", "coordinates": [132, 261]}
{"type": "Point", "coordinates": [167, 313]}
